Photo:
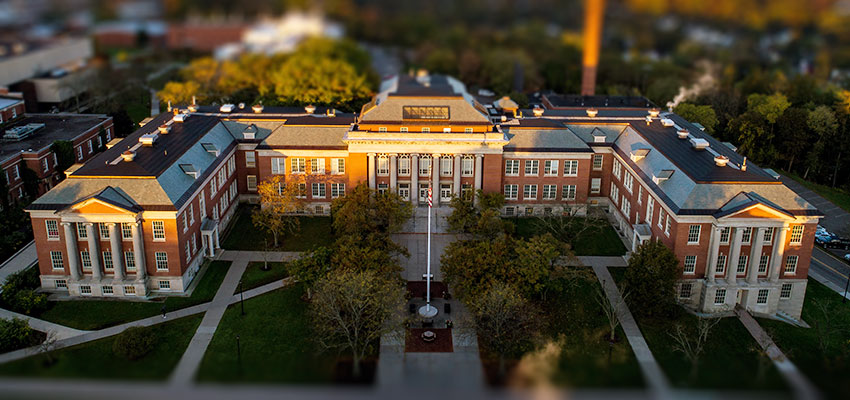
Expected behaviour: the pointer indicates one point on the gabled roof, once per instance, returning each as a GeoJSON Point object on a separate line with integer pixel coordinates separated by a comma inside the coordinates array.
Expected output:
{"type": "Point", "coordinates": [746, 201]}
{"type": "Point", "coordinates": [110, 196]}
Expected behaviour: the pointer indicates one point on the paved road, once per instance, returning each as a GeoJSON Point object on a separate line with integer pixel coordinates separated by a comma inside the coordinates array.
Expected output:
{"type": "Point", "coordinates": [25, 257]}
{"type": "Point", "coordinates": [829, 270]}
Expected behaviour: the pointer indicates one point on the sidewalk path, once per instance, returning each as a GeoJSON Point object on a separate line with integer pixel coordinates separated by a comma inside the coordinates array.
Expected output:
{"type": "Point", "coordinates": [803, 388]}
{"type": "Point", "coordinates": [659, 386]}
{"type": "Point", "coordinates": [61, 331]}
{"type": "Point", "coordinates": [25, 257]}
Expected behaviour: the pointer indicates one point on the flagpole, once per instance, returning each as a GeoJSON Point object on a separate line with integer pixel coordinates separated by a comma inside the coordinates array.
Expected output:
{"type": "Point", "coordinates": [428, 273]}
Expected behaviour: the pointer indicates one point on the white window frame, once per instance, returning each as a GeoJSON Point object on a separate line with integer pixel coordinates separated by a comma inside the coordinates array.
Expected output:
{"type": "Point", "coordinates": [571, 168]}
{"type": "Point", "coordinates": [337, 190]}
{"type": "Point", "coordinates": [158, 231]}
{"type": "Point", "coordinates": [107, 260]}
{"type": "Point", "coordinates": [467, 166]}
{"type": "Point", "coordinates": [628, 181]}
{"type": "Point", "coordinates": [51, 227]}
{"type": "Point", "coordinates": [762, 296]}
{"type": "Point", "coordinates": [337, 166]}
{"type": "Point", "coordinates": [550, 167]}
{"type": "Point", "coordinates": [531, 168]}
{"type": "Point", "coordinates": [82, 232]}
{"type": "Point", "coordinates": [598, 160]}
{"type": "Point", "coordinates": [690, 265]}
{"type": "Point", "coordinates": [85, 290]}
{"type": "Point", "coordinates": [796, 235]}
{"type": "Point", "coordinates": [791, 262]}
{"type": "Point", "coordinates": [318, 190]}
{"type": "Point", "coordinates": [550, 192]}
{"type": "Point", "coordinates": [129, 260]}
{"type": "Point", "coordinates": [725, 233]}
{"type": "Point", "coordinates": [650, 209]}
{"type": "Point", "coordinates": [56, 260]}
{"type": "Point", "coordinates": [251, 182]}
{"type": "Point", "coordinates": [595, 185]}
{"type": "Point", "coordinates": [297, 165]}
{"type": "Point", "coordinates": [446, 166]}
{"type": "Point", "coordinates": [747, 235]}
{"type": "Point", "coordinates": [694, 234]}
{"type": "Point", "coordinates": [568, 192]}
{"type": "Point", "coordinates": [424, 166]}
{"type": "Point", "coordinates": [403, 165]}
{"type": "Point", "coordinates": [103, 230]}
{"type": "Point", "coordinates": [686, 290]}
{"type": "Point", "coordinates": [511, 167]}
{"type": "Point", "coordinates": [511, 191]}
{"type": "Point", "coordinates": [720, 267]}
{"type": "Point", "coordinates": [768, 235]}
{"type": "Point", "coordinates": [317, 166]}
{"type": "Point", "coordinates": [785, 291]}
{"type": "Point", "coordinates": [764, 263]}
{"type": "Point", "coordinates": [741, 267]}
{"type": "Point", "coordinates": [250, 159]}
{"type": "Point", "coordinates": [720, 296]}
{"type": "Point", "coordinates": [85, 259]}
{"type": "Point", "coordinates": [164, 285]}
{"type": "Point", "coordinates": [161, 259]}
{"type": "Point", "coordinates": [278, 166]}
{"type": "Point", "coordinates": [529, 191]}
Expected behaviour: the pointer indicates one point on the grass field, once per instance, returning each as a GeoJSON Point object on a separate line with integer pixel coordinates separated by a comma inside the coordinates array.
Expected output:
{"type": "Point", "coordinates": [601, 241]}
{"type": "Point", "coordinates": [254, 276]}
{"type": "Point", "coordinates": [96, 360]}
{"type": "Point", "coordinates": [314, 232]}
{"type": "Point", "coordinates": [98, 314]}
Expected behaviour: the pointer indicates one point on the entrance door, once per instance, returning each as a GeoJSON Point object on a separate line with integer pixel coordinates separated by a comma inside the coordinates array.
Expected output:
{"type": "Point", "coordinates": [740, 298]}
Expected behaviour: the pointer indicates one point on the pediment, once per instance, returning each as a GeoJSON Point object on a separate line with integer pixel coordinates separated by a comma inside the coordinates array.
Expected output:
{"type": "Point", "coordinates": [98, 206]}
{"type": "Point", "coordinates": [757, 211]}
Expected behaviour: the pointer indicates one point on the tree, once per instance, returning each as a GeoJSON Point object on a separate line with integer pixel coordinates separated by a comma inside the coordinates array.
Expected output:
{"type": "Point", "coordinates": [691, 344]}
{"type": "Point", "coordinates": [351, 310]}
{"type": "Point", "coordinates": [134, 343]}
{"type": "Point", "coordinates": [569, 226]}
{"type": "Point", "coordinates": [305, 79]}
{"type": "Point", "coordinates": [704, 115]}
{"type": "Point", "coordinates": [311, 267]}
{"type": "Point", "coordinates": [507, 324]}
{"type": "Point", "coordinates": [770, 107]}
{"type": "Point", "coordinates": [823, 123]}
{"type": "Point", "coordinates": [181, 93]}
{"type": "Point", "coordinates": [278, 202]}
{"type": "Point", "coordinates": [15, 333]}
{"type": "Point", "coordinates": [483, 220]}
{"type": "Point", "coordinates": [363, 212]}
{"type": "Point", "coordinates": [793, 135]}
{"type": "Point", "coordinates": [611, 309]}
{"type": "Point", "coordinates": [535, 260]}
{"type": "Point", "coordinates": [651, 279]}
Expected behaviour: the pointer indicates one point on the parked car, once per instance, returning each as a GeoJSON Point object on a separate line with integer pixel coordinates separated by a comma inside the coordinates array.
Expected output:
{"type": "Point", "coordinates": [821, 231]}
{"type": "Point", "coordinates": [837, 242]}
{"type": "Point", "coordinates": [847, 257]}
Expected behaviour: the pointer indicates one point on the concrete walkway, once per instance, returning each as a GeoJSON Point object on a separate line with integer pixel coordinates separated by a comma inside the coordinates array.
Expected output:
{"type": "Point", "coordinates": [803, 388]}
{"type": "Point", "coordinates": [659, 386]}
{"type": "Point", "coordinates": [20, 261]}
{"type": "Point", "coordinates": [61, 331]}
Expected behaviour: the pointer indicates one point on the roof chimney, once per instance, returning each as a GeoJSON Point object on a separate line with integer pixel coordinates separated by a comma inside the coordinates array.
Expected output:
{"type": "Point", "coordinates": [594, 11]}
{"type": "Point", "coordinates": [721, 161]}
{"type": "Point", "coordinates": [258, 108]}
{"type": "Point", "coordinates": [309, 109]}
{"type": "Point", "coordinates": [537, 111]}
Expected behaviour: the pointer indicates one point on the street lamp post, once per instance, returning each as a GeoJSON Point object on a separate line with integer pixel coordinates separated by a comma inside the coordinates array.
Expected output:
{"type": "Point", "coordinates": [846, 286]}
{"type": "Point", "coordinates": [238, 353]}
{"type": "Point", "coordinates": [241, 299]}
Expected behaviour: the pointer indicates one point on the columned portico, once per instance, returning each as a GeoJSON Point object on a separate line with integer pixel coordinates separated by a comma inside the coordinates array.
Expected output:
{"type": "Point", "coordinates": [778, 253]}
{"type": "Point", "coordinates": [370, 166]}
{"type": "Point", "coordinates": [734, 254]}
{"type": "Point", "coordinates": [435, 180]}
{"type": "Point", "coordinates": [94, 252]}
{"type": "Point", "coordinates": [479, 173]}
{"type": "Point", "coordinates": [393, 172]}
{"type": "Point", "coordinates": [414, 179]}
{"type": "Point", "coordinates": [115, 248]}
{"type": "Point", "coordinates": [714, 250]}
{"type": "Point", "coordinates": [139, 250]}
{"type": "Point", "coordinates": [456, 175]}
{"type": "Point", "coordinates": [71, 249]}
{"type": "Point", "coordinates": [755, 255]}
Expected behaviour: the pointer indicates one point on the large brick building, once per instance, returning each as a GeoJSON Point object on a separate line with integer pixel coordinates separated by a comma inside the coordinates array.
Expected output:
{"type": "Point", "coordinates": [142, 215]}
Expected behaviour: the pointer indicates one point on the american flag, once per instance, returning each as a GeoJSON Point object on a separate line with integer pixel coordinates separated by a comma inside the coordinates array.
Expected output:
{"type": "Point", "coordinates": [430, 204]}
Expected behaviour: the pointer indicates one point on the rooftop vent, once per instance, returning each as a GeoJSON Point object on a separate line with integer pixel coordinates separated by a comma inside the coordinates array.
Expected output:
{"type": "Point", "coordinates": [112, 143]}
{"type": "Point", "coordinates": [210, 148]}
{"type": "Point", "coordinates": [226, 108]}
{"type": "Point", "coordinates": [683, 133]}
{"type": "Point", "coordinates": [667, 122]}
{"type": "Point", "coordinates": [638, 154]}
{"type": "Point", "coordinates": [241, 106]}
{"type": "Point", "coordinates": [250, 132]}
{"type": "Point", "coordinates": [699, 143]}
{"type": "Point", "coordinates": [731, 146]}
{"type": "Point", "coordinates": [164, 129]}
{"type": "Point", "coordinates": [662, 176]}
{"type": "Point", "coordinates": [537, 111]}
{"type": "Point", "coordinates": [148, 139]}
{"type": "Point", "coordinates": [258, 108]}
{"type": "Point", "coordinates": [592, 112]}
{"type": "Point", "coordinates": [21, 132]}
{"type": "Point", "coordinates": [128, 155]}
{"type": "Point", "coordinates": [598, 136]}
{"type": "Point", "coordinates": [180, 117]}
{"type": "Point", "coordinates": [310, 109]}
{"type": "Point", "coordinates": [193, 108]}
{"type": "Point", "coordinates": [190, 170]}
{"type": "Point", "coordinates": [653, 112]}
{"type": "Point", "coordinates": [648, 120]}
{"type": "Point", "coordinates": [331, 112]}
{"type": "Point", "coordinates": [721, 161]}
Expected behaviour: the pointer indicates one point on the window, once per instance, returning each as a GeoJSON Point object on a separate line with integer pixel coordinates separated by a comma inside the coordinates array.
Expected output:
{"type": "Point", "coordinates": [319, 210]}
{"type": "Point", "coordinates": [423, 191]}
{"type": "Point", "coordinates": [91, 148]}
{"type": "Point", "coordinates": [571, 168]}
{"type": "Point", "coordinates": [61, 284]}
{"type": "Point", "coordinates": [425, 166]}
{"type": "Point", "coordinates": [667, 224]}
{"type": "Point", "coordinates": [252, 183]}
{"type": "Point", "coordinates": [194, 242]}
{"type": "Point", "coordinates": [617, 168]}
{"type": "Point", "coordinates": [80, 153]}
{"type": "Point", "coordinates": [107, 290]}
{"type": "Point", "coordinates": [337, 190]}
{"type": "Point", "coordinates": [467, 130]}
{"type": "Point", "coordinates": [447, 130]}
{"type": "Point", "coordinates": [161, 260]}
{"type": "Point", "coordinates": [768, 235]}
{"type": "Point", "coordinates": [529, 211]}
{"type": "Point", "coordinates": [297, 165]}
{"type": "Point", "coordinates": [45, 164]}
{"type": "Point", "coordinates": [107, 260]}
{"type": "Point", "coordinates": [529, 192]}
{"type": "Point", "coordinates": [791, 265]}
{"type": "Point", "coordinates": [568, 192]}
{"type": "Point", "coordinates": [250, 159]}
{"type": "Point", "coordinates": [763, 262]}
{"type": "Point", "coordinates": [640, 194]}
{"type": "Point", "coordinates": [650, 208]}
{"type": "Point", "coordinates": [158, 231]}
{"type": "Point", "coordinates": [509, 211]}
{"type": "Point", "coordinates": [382, 129]}
{"type": "Point", "coordinates": [628, 181]}
{"type": "Point", "coordinates": [188, 252]}
{"type": "Point", "coordinates": [104, 231]}
{"type": "Point", "coordinates": [445, 191]}
{"type": "Point", "coordinates": [213, 186]}
{"type": "Point", "coordinates": [720, 296]}
{"type": "Point", "coordinates": [550, 168]}
{"type": "Point", "coordinates": [690, 264]}
{"type": "Point", "coordinates": [796, 234]}
{"type": "Point", "coordinates": [511, 192]}
{"type": "Point", "coordinates": [185, 223]}
{"type": "Point", "coordinates": [85, 258]}
{"type": "Point", "coordinates": [317, 165]}
{"type": "Point", "coordinates": [747, 235]}
{"type": "Point", "coordinates": [130, 260]}
{"type": "Point", "coordinates": [724, 235]}
{"type": "Point", "coordinates": [721, 264]}
{"type": "Point", "coordinates": [466, 191]}
{"type": "Point", "coordinates": [426, 130]}
{"type": "Point", "coordinates": [165, 285]}
{"type": "Point", "coordinates": [202, 202]}
{"type": "Point", "coordinates": [17, 170]}
{"type": "Point", "coordinates": [532, 167]}
{"type": "Point", "coordinates": [82, 233]}
{"type": "Point", "coordinates": [512, 167]}
{"type": "Point", "coordinates": [56, 260]}
{"type": "Point", "coordinates": [595, 185]}
{"type": "Point", "coordinates": [52, 229]}
{"type": "Point", "coordinates": [467, 166]}
{"type": "Point", "coordinates": [404, 165]}
{"type": "Point", "coordinates": [626, 208]}
{"type": "Point", "coordinates": [660, 217]}
{"type": "Point", "coordinates": [615, 193]}
{"type": "Point", "coordinates": [231, 165]}
{"type": "Point", "coordinates": [99, 142]}
{"type": "Point", "coordinates": [126, 231]}
{"type": "Point", "coordinates": [85, 289]}
{"type": "Point", "coordinates": [597, 162]}
{"type": "Point", "coordinates": [445, 166]}
{"type": "Point", "coordinates": [403, 129]}
{"type": "Point", "coordinates": [785, 291]}
{"type": "Point", "coordinates": [302, 191]}
{"type": "Point", "coordinates": [685, 290]}
{"type": "Point", "coordinates": [337, 166]}
{"type": "Point", "coordinates": [278, 165]}
{"type": "Point", "coordinates": [742, 264]}
{"type": "Point", "coordinates": [318, 190]}
{"type": "Point", "coordinates": [693, 234]}
{"type": "Point", "coordinates": [550, 192]}
{"type": "Point", "coordinates": [762, 296]}
{"type": "Point", "coordinates": [129, 290]}
{"type": "Point", "coordinates": [403, 191]}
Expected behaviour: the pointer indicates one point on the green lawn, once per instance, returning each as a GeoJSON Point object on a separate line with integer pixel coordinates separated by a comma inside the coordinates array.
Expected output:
{"type": "Point", "coordinates": [829, 370]}
{"type": "Point", "coordinates": [314, 232]}
{"type": "Point", "coordinates": [601, 241]}
{"type": "Point", "coordinates": [254, 276]}
{"type": "Point", "coordinates": [95, 360]}
{"type": "Point", "coordinates": [98, 314]}
{"type": "Point", "coordinates": [575, 316]}
{"type": "Point", "coordinates": [275, 342]}
{"type": "Point", "coordinates": [838, 196]}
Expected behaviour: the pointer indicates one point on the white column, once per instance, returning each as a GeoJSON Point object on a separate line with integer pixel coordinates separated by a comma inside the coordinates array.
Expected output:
{"type": "Point", "coordinates": [755, 255]}
{"type": "Point", "coordinates": [393, 172]}
{"type": "Point", "coordinates": [713, 252]}
{"type": "Point", "coordinates": [778, 253]}
{"type": "Point", "coordinates": [94, 252]}
{"type": "Point", "coordinates": [115, 247]}
{"type": "Point", "coordinates": [435, 179]}
{"type": "Point", "coordinates": [71, 249]}
{"type": "Point", "coordinates": [370, 166]}
{"type": "Point", "coordinates": [479, 172]}
{"type": "Point", "coordinates": [456, 175]}
{"type": "Point", "coordinates": [139, 250]}
{"type": "Point", "coordinates": [414, 179]}
{"type": "Point", "coordinates": [215, 238]}
{"type": "Point", "coordinates": [734, 254]}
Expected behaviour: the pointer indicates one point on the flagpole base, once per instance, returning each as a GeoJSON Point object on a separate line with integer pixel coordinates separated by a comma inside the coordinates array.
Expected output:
{"type": "Point", "coordinates": [428, 311]}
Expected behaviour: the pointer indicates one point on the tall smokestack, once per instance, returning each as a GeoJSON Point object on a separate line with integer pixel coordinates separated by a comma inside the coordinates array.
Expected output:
{"type": "Point", "coordinates": [594, 11]}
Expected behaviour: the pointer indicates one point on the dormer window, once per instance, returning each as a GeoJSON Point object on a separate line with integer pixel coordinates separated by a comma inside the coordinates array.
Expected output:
{"type": "Point", "coordinates": [662, 176]}
{"type": "Point", "coordinates": [426, 130]}
{"type": "Point", "coordinates": [638, 154]}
